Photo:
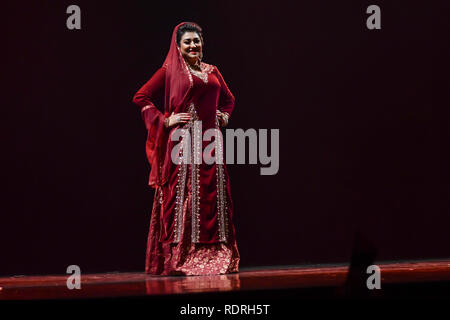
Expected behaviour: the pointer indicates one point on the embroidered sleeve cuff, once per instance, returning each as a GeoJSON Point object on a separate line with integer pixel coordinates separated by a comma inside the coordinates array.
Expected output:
{"type": "Point", "coordinates": [146, 107]}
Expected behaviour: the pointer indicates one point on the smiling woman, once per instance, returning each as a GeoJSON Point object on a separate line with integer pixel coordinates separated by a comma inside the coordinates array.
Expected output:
{"type": "Point", "coordinates": [191, 44]}
{"type": "Point", "coordinates": [191, 228]}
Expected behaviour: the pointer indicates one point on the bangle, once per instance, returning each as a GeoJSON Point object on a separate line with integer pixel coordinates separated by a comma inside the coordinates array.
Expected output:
{"type": "Point", "coordinates": [166, 122]}
{"type": "Point", "coordinates": [226, 116]}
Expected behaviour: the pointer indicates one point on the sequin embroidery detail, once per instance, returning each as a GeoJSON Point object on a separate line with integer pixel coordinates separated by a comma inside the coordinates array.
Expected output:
{"type": "Point", "coordinates": [205, 68]}
{"type": "Point", "coordinates": [221, 186]}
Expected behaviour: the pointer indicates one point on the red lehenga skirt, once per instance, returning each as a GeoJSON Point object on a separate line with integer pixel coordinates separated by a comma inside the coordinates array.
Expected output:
{"type": "Point", "coordinates": [185, 257]}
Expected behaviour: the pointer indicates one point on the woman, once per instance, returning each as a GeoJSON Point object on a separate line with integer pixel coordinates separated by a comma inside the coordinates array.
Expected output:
{"type": "Point", "coordinates": [191, 229]}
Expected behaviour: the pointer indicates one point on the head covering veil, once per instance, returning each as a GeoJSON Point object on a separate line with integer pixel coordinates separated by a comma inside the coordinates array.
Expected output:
{"type": "Point", "coordinates": [178, 82]}
{"type": "Point", "coordinates": [178, 78]}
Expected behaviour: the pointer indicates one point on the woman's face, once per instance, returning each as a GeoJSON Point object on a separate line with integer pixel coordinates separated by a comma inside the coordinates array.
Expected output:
{"type": "Point", "coordinates": [191, 47]}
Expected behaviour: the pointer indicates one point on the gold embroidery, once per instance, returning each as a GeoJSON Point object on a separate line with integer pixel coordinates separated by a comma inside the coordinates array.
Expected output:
{"type": "Point", "coordinates": [196, 147]}
{"type": "Point", "coordinates": [221, 187]}
{"type": "Point", "coordinates": [192, 132]}
{"type": "Point", "coordinates": [161, 196]}
{"type": "Point", "coordinates": [146, 107]}
{"type": "Point", "coordinates": [181, 186]}
{"type": "Point", "coordinates": [205, 68]}
{"type": "Point", "coordinates": [195, 159]}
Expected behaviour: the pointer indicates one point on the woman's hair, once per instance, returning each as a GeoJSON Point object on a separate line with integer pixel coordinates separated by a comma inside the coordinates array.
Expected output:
{"type": "Point", "coordinates": [188, 27]}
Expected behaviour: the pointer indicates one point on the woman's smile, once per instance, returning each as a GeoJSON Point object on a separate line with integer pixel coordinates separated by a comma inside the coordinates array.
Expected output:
{"type": "Point", "coordinates": [191, 46]}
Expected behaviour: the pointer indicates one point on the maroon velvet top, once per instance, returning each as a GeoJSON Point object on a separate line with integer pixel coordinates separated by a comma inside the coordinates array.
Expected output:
{"type": "Point", "coordinates": [208, 97]}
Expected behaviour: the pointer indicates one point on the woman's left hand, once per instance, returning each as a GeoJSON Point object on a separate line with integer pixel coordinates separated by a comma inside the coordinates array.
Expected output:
{"type": "Point", "coordinates": [223, 118]}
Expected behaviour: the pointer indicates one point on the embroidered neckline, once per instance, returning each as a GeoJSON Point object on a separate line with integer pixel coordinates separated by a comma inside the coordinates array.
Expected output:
{"type": "Point", "coordinates": [203, 74]}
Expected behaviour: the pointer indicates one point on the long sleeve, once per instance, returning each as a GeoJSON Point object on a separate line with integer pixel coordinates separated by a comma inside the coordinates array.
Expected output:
{"type": "Point", "coordinates": [148, 93]}
{"type": "Point", "coordinates": [151, 90]}
{"type": "Point", "coordinates": [226, 99]}
{"type": "Point", "coordinates": [154, 122]}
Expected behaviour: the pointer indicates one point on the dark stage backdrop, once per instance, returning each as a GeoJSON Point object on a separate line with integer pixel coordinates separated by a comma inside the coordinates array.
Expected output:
{"type": "Point", "coordinates": [362, 116]}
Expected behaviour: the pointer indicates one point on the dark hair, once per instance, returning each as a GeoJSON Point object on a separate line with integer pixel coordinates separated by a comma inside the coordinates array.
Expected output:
{"type": "Point", "coordinates": [188, 27]}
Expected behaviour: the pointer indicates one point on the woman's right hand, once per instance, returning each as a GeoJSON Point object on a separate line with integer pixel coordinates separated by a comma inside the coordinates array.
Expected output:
{"type": "Point", "coordinates": [178, 118]}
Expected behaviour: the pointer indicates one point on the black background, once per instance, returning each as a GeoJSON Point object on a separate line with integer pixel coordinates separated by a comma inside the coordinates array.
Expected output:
{"type": "Point", "coordinates": [362, 116]}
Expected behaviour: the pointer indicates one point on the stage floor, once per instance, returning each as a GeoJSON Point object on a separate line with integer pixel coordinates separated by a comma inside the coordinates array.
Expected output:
{"type": "Point", "coordinates": [135, 284]}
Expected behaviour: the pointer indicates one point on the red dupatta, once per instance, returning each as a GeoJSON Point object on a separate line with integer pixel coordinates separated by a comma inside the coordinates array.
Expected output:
{"type": "Point", "coordinates": [178, 82]}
